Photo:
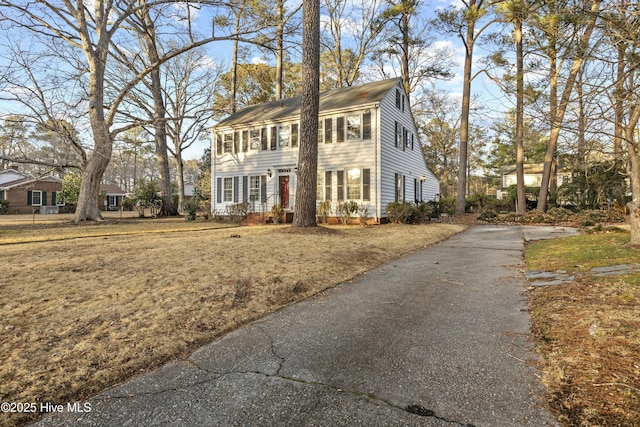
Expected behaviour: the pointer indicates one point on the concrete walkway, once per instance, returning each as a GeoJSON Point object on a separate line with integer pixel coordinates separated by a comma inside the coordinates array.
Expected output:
{"type": "Point", "coordinates": [437, 338]}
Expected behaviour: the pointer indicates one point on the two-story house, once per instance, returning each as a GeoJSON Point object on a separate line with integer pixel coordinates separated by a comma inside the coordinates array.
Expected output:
{"type": "Point", "coordinates": [368, 152]}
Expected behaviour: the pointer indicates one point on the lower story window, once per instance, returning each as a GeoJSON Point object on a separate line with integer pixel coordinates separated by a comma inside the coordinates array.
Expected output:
{"type": "Point", "coordinates": [353, 184]}
{"type": "Point", "coordinates": [254, 187]}
{"type": "Point", "coordinates": [228, 190]}
{"type": "Point", "coordinates": [36, 198]}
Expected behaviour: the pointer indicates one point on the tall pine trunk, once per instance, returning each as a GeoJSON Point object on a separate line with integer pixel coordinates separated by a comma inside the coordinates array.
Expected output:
{"type": "Point", "coordinates": [305, 204]}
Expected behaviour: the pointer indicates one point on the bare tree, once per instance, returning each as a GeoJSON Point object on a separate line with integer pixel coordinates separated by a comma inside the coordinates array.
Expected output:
{"type": "Point", "coordinates": [351, 31]}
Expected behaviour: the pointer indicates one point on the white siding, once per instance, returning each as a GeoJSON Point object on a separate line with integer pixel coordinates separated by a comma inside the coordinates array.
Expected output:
{"type": "Point", "coordinates": [394, 160]}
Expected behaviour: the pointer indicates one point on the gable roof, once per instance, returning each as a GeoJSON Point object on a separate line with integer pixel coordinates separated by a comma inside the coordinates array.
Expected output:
{"type": "Point", "coordinates": [366, 94]}
{"type": "Point", "coordinates": [10, 175]}
{"type": "Point", "coordinates": [112, 190]}
{"type": "Point", "coordinates": [29, 180]}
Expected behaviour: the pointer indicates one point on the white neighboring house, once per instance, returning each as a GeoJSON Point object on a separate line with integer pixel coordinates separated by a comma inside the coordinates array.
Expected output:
{"type": "Point", "coordinates": [368, 152]}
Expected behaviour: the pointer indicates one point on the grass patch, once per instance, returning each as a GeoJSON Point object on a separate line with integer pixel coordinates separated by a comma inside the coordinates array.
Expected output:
{"type": "Point", "coordinates": [85, 312]}
{"type": "Point", "coordinates": [589, 331]}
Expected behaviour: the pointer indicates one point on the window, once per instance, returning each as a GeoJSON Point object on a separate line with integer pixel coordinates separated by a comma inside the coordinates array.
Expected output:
{"type": "Point", "coordinates": [416, 189]}
{"type": "Point", "coordinates": [254, 188]}
{"type": "Point", "coordinates": [254, 139]}
{"type": "Point", "coordinates": [284, 135]}
{"type": "Point", "coordinates": [112, 200]}
{"type": "Point", "coordinates": [340, 129]}
{"type": "Point", "coordinates": [405, 138]}
{"type": "Point", "coordinates": [2, 196]}
{"type": "Point", "coordinates": [398, 99]}
{"type": "Point", "coordinates": [320, 131]}
{"type": "Point", "coordinates": [353, 126]}
{"type": "Point", "coordinates": [403, 103]}
{"type": "Point", "coordinates": [353, 184]}
{"type": "Point", "coordinates": [227, 143]}
{"type": "Point", "coordinates": [36, 198]}
{"type": "Point", "coordinates": [294, 135]}
{"type": "Point", "coordinates": [228, 190]}
{"type": "Point", "coordinates": [398, 134]}
{"type": "Point", "coordinates": [328, 128]}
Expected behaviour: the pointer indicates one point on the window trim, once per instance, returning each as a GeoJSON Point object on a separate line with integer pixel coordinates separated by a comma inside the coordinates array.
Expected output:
{"type": "Point", "coordinates": [227, 193]}
{"type": "Point", "coordinates": [33, 192]}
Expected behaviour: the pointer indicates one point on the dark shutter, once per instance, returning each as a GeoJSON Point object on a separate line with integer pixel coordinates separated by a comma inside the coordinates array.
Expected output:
{"type": "Point", "coordinates": [340, 129]}
{"type": "Point", "coordinates": [263, 139]}
{"type": "Point", "coordinates": [366, 184]}
{"type": "Point", "coordinates": [366, 125]}
{"type": "Point", "coordinates": [411, 142]}
{"type": "Point", "coordinates": [395, 129]}
{"type": "Point", "coordinates": [340, 185]}
{"type": "Point", "coordinates": [294, 135]}
{"type": "Point", "coordinates": [218, 143]}
{"type": "Point", "coordinates": [404, 138]}
{"type": "Point", "coordinates": [236, 142]}
{"type": "Point", "coordinates": [54, 198]}
{"type": "Point", "coordinates": [219, 190]}
{"type": "Point", "coordinates": [236, 184]}
{"type": "Point", "coordinates": [43, 202]}
{"type": "Point", "coordinates": [245, 141]}
{"type": "Point", "coordinates": [273, 138]}
{"type": "Point", "coordinates": [263, 188]}
{"type": "Point", "coordinates": [29, 198]}
{"type": "Point", "coordinates": [327, 185]}
{"type": "Point", "coordinates": [328, 127]}
{"type": "Point", "coordinates": [245, 188]}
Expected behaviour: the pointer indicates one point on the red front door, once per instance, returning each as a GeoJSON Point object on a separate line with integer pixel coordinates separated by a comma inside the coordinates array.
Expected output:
{"type": "Point", "coordinates": [284, 190]}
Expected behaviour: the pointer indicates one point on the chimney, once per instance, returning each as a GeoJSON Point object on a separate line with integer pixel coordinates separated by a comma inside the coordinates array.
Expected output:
{"type": "Point", "coordinates": [14, 167]}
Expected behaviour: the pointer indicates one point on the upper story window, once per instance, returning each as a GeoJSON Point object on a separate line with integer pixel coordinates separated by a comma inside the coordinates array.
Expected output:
{"type": "Point", "coordinates": [398, 99]}
{"type": "Point", "coordinates": [227, 143]}
{"type": "Point", "coordinates": [354, 126]}
{"type": "Point", "coordinates": [284, 136]}
{"type": "Point", "coordinates": [254, 139]}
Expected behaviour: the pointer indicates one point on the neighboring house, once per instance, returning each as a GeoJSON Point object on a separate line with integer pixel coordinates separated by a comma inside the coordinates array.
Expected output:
{"type": "Point", "coordinates": [188, 191]}
{"type": "Point", "coordinates": [114, 195]}
{"type": "Point", "coordinates": [27, 194]}
{"type": "Point", "coordinates": [532, 177]}
{"type": "Point", "coordinates": [368, 152]}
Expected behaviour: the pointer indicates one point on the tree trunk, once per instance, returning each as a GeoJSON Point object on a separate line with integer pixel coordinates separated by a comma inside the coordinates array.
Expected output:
{"type": "Point", "coordinates": [180, 178]}
{"type": "Point", "coordinates": [88, 199]}
{"type": "Point", "coordinates": [160, 124]}
{"type": "Point", "coordinates": [279, 49]}
{"type": "Point", "coordinates": [464, 118]}
{"type": "Point", "coordinates": [305, 204]}
{"type": "Point", "coordinates": [558, 118]}
{"type": "Point", "coordinates": [521, 205]}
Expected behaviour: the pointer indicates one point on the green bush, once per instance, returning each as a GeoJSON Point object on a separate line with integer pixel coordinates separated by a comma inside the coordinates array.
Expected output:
{"type": "Point", "coordinates": [346, 211]}
{"type": "Point", "coordinates": [4, 206]}
{"type": "Point", "coordinates": [408, 213]}
{"type": "Point", "coordinates": [190, 208]}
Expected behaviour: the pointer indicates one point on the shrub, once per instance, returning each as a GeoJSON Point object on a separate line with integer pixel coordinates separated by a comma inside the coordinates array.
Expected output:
{"type": "Point", "coordinates": [346, 211]}
{"type": "Point", "coordinates": [363, 212]}
{"type": "Point", "coordinates": [277, 212]}
{"type": "Point", "coordinates": [239, 211]}
{"type": "Point", "coordinates": [4, 206]}
{"type": "Point", "coordinates": [398, 212]}
{"type": "Point", "coordinates": [324, 210]}
{"type": "Point", "coordinates": [190, 208]}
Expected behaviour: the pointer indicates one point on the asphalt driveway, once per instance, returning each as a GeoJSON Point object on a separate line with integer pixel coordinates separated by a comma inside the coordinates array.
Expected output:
{"type": "Point", "coordinates": [437, 338]}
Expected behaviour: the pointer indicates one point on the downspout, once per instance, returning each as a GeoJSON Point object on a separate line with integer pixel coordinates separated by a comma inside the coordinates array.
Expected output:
{"type": "Point", "coordinates": [377, 163]}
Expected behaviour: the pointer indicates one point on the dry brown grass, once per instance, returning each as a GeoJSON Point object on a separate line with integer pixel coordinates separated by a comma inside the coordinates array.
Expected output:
{"type": "Point", "coordinates": [83, 313]}
{"type": "Point", "coordinates": [589, 336]}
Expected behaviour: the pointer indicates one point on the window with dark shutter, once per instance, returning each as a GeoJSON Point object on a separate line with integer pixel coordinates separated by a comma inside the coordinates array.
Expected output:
{"type": "Point", "coordinates": [366, 184]}
{"type": "Point", "coordinates": [398, 99]}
